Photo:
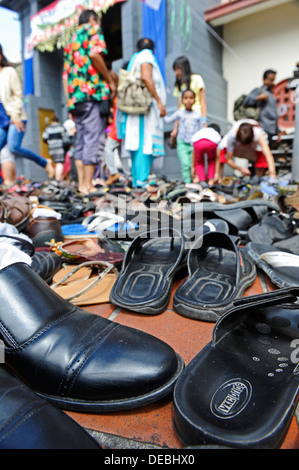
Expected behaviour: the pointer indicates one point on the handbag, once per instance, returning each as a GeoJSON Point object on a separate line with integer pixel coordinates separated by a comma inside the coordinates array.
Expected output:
{"type": "Point", "coordinates": [132, 95]}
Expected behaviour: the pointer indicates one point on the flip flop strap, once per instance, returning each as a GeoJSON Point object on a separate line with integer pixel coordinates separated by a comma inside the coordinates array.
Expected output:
{"type": "Point", "coordinates": [216, 240]}
{"type": "Point", "coordinates": [246, 305]}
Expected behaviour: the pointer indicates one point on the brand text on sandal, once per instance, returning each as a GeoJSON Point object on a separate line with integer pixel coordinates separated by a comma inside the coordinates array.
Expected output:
{"type": "Point", "coordinates": [231, 398]}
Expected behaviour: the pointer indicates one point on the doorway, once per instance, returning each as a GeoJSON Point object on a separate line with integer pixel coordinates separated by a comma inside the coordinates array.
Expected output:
{"type": "Point", "coordinates": [44, 118]}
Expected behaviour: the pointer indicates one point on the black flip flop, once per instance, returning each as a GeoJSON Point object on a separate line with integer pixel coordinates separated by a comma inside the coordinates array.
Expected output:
{"type": "Point", "coordinates": [240, 216]}
{"type": "Point", "coordinates": [242, 389]}
{"type": "Point", "coordinates": [219, 272]}
{"type": "Point", "coordinates": [150, 264]}
{"type": "Point", "coordinates": [273, 227]}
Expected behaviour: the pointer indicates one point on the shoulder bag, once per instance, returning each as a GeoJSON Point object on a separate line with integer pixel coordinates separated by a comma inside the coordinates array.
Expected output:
{"type": "Point", "coordinates": [132, 95]}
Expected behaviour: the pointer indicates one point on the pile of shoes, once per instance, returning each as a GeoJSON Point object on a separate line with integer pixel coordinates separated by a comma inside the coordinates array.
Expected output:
{"type": "Point", "coordinates": [61, 252]}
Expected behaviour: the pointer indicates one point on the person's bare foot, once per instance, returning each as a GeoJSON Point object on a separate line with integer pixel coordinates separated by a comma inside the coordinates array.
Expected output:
{"type": "Point", "coordinates": [8, 184]}
{"type": "Point", "coordinates": [85, 191]}
{"type": "Point", "coordinates": [88, 191]}
{"type": "Point", "coordinates": [112, 179]}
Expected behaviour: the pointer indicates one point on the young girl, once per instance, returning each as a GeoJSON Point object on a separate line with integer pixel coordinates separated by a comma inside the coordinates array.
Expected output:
{"type": "Point", "coordinates": [189, 123]}
{"type": "Point", "coordinates": [186, 79]}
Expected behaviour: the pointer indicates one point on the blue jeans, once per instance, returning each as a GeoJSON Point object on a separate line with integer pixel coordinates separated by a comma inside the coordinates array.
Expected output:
{"type": "Point", "coordinates": [13, 138]}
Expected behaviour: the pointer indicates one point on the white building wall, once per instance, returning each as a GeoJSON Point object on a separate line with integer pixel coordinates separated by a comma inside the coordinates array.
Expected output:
{"type": "Point", "coordinates": [264, 40]}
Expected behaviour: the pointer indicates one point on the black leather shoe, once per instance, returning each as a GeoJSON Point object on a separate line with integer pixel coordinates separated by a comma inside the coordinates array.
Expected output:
{"type": "Point", "coordinates": [30, 422]}
{"type": "Point", "coordinates": [78, 360]}
{"type": "Point", "coordinates": [45, 264]}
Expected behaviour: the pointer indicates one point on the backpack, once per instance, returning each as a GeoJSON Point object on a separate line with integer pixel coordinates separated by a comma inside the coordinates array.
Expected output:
{"type": "Point", "coordinates": [240, 112]}
{"type": "Point", "coordinates": [132, 95]}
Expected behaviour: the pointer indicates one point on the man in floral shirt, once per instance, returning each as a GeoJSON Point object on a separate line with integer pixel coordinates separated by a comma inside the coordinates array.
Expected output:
{"type": "Point", "coordinates": [87, 82]}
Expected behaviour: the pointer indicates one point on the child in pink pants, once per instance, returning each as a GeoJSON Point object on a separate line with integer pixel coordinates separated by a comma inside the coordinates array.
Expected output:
{"type": "Point", "coordinates": [205, 142]}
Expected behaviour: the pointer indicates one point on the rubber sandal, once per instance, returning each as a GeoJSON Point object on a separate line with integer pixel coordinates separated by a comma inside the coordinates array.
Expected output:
{"type": "Point", "coordinates": [208, 195]}
{"type": "Point", "coordinates": [71, 212]}
{"type": "Point", "coordinates": [194, 186]}
{"type": "Point", "coordinates": [273, 227]}
{"type": "Point", "coordinates": [174, 194]}
{"type": "Point", "coordinates": [74, 231]}
{"type": "Point", "coordinates": [137, 222]}
{"type": "Point", "coordinates": [241, 390]}
{"type": "Point", "coordinates": [163, 189]}
{"type": "Point", "coordinates": [91, 291]}
{"type": "Point", "coordinates": [281, 266]}
{"type": "Point", "coordinates": [219, 272]}
{"type": "Point", "coordinates": [101, 220]}
{"type": "Point", "coordinates": [240, 216]}
{"type": "Point", "coordinates": [149, 266]}
{"type": "Point", "coordinates": [192, 233]}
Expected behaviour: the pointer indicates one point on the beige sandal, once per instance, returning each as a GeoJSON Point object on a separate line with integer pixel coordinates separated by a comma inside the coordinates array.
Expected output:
{"type": "Point", "coordinates": [91, 291]}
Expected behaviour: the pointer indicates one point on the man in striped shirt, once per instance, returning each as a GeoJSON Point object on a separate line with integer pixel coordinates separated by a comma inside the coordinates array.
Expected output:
{"type": "Point", "coordinates": [55, 137]}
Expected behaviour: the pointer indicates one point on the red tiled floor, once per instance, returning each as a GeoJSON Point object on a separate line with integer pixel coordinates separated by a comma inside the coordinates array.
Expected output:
{"type": "Point", "coordinates": [104, 309]}
{"type": "Point", "coordinates": [292, 438]}
{"type": "Point", "coordinates": [153, 424]}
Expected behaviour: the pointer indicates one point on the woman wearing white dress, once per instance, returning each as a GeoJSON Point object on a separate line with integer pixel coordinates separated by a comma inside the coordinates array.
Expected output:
{"type": "Point", "coordinates": [143, 134]}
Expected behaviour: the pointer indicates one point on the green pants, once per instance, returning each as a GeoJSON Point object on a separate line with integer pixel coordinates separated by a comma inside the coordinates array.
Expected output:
{"type": "Point", "coordinates": [184, 152]}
